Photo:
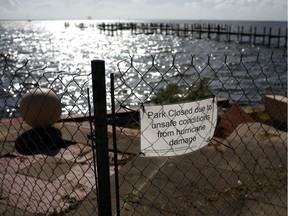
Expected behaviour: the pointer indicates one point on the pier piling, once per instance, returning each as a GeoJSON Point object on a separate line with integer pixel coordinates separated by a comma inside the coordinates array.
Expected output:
{"type": "Point", "coordinates": [211, 31]}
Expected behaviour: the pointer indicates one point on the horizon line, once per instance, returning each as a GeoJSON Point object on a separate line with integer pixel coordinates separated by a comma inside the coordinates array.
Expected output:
{"type": "Point", "coordinates": [146, 19]}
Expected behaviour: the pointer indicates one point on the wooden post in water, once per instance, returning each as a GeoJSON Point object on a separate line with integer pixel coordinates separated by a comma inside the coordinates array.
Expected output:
{"type": "Point", "coordinates": [238, 33]}
{"type": "Point", "coordinates": [227, 32]}
{"type": "Point", "coordinates": [230, 31]}
{"type": "Point", "coordinates": [218, 33]}
{"type": "Point", "coordinates": [264, 36]}
{"type": "Point", "coordinates": [166, 28]}
{"type": "Point", "coordinates": [254, 36]}
{"type": "Point", "coordinates": [112, 30]}
{"type": "Point", "coordinates": [278, 38]}
{"type": "Point", "coordinates": [269, 36]}
{"type": "Point", "coordinates": [241, 34]}
{"type": "Point", "coordinates": [250, 35]}
{"type": "Point", "coordinates": [286, 38]}
{"type": "Point", "coordinates": [185, 29]}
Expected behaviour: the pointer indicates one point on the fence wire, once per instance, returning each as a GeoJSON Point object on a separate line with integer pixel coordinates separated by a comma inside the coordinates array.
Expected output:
{"type": "Point", "coordinates": [241, 171]}
{"type": "Point", "coordinates": [46, 170]}
{"type": "Point", "coordinates": [243, 168]}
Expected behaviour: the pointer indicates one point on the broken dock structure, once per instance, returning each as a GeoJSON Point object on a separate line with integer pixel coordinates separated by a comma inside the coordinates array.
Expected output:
{"type": "Point", "coordinates": [253, 35]}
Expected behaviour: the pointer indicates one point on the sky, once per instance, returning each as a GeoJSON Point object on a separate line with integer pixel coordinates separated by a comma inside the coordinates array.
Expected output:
{"type": "Point", "coordinates": [268, 10]}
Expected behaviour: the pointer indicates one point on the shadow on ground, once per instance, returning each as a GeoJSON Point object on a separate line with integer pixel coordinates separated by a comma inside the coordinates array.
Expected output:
{"type": "Point", "coordinates": [46, 141]}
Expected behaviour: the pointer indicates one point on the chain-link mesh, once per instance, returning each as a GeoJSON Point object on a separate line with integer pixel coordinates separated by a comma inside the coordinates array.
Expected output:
{"type": "Point", "coordinates": [44, 170]}
{"type": "Point", "coordinates": [243, 168]}
{"type": "Point", "coordinates": [241, 171]}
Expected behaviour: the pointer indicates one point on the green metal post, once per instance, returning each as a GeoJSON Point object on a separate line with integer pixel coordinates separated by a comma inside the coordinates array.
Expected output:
{"type": "Point", "coordinates": [101, 136]}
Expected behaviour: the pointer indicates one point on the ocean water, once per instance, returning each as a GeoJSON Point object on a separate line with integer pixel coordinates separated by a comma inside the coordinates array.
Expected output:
{"type": "Point", "coordinates": [60, 56]}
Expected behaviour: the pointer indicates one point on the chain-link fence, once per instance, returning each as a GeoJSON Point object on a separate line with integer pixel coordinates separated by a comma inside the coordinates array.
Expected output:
{"type": "Point", "coordinates": [239, 169]}
{"type": "Point", "coordinates": [44, 170]}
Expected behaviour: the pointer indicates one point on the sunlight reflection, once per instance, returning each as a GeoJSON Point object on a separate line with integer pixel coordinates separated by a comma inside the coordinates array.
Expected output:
{"type": "Point", "coordinates": [66, 52]}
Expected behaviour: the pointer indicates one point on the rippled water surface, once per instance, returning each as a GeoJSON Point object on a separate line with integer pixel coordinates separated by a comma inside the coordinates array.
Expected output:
{"type": "Point", "coordinates": [61, 56]}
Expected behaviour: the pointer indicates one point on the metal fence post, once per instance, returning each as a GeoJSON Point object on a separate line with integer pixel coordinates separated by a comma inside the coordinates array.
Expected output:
{"type": "Point", "coordinates": [101, 136]}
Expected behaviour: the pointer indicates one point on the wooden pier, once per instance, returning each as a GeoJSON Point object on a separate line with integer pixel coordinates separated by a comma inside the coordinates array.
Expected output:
{"type": "Point", "coordinates": [252, 35]}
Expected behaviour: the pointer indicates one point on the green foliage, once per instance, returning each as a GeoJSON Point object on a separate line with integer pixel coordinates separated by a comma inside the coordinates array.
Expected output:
{"type": "Point", "coordinates": [198, 91]}
{"type": "Point", "coordinates": [131, 198]}
{"type": "Point", "coordinates": [173, 93]}
{"type": "Point", "coordinates": [261, 116]}
{"type": "Point", "coordinates": [170, 94]}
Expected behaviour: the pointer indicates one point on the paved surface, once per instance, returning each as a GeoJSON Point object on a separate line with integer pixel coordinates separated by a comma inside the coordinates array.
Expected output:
{"type": "Point", "coordinates": [245, 177]}
{"type": "Point", "coordinates": [43, 183]}
{"type": "Point", "coordinates": [48, 180]}
{"type": "Point", "coordinates": [244, 174]}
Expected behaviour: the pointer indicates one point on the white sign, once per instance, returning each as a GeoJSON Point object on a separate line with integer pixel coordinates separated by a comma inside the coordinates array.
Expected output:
{"type": "Point", "coordinates": [176, 129]}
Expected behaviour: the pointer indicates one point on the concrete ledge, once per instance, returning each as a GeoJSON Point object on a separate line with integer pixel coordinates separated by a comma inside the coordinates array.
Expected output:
{"type": "Point", "coordinates": [276, 107]}
{"type": "Point", "coordinates": [234, 116]}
